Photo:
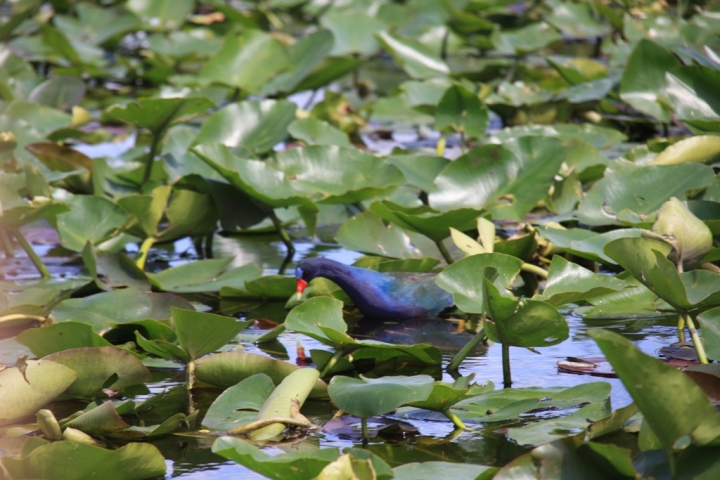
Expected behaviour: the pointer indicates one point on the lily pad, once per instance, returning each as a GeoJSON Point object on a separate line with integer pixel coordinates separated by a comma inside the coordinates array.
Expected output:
{"type": "Point", "coordinates": [61, 336]}
{"type": "Point", "coordinates": [108, 309]}
{"type": "Point", "coordinates": [369, 397]}
{"type": "Point", "coordinates": [686, 411]}
{"type": "Point", "coordinates": [25, 392]}
{"type": "Point", "coordinates": [417, 60]}
{"type": "Point", "coordinates": [90, 219]}
{"type": "Point", "coordinates": [252, 125]}
{"type": "Point", "coordinates": [431, 223]}
{"type": "Point", "coordinates": [204, 276]}
{"type": "Point", "coordinates": [297, 465]}
{"type": "Point", "coordinates": [77, 461]}
{"type": "Point", "coordinates": [96, 365]}
{"type": "Point", "coordinates": [570, 283]}
{"type": "Point", "coordinates": [229, 368]}
{"type": "Point", "coordinates": [239, 404]}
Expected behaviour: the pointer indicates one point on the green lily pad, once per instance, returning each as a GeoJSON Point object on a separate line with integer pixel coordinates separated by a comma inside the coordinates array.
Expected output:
{"type": "Point", "coordinates": [420, 171]}
{"type": "Point", "coordinates": [646, 259]}
{"type": "Point", "coordinates": [369, 397]}
{"type": "Point", "coordinates": [332, 174]}
{"type": "Point", "coordinates": [685, 411]}
{"type": "Point", "coordinates": [585, 243]}
{"type": "Point", "coordinates": [304, 465]}
{"type": "Point", "coordinates": [161, 14]}
{"type": "Point", "coordinates": [353, 31]}
{"type": "Point", "coordinates": [445, 395]}
{"type": "Point", "coordinates": [523, 40]}
{"type": "Point", "coordinates": [93, 219]}
{"type": "Point", "coordinates": [108, 309]}
{"type": "Point", "coordinates": [252, 125]}
{"type": "Point", "coordinates": [368, 234]}
{"type": "Point", "coordinates": [635, 193]}
{"type": "Point", "coordinates": [158, 114]}
{"type": "Point", "coordinates": [247, 61]}
{"type": "Point", "coordinates": [431, 223]}
{"type": "Point", "coordinates": [114, 271]}
{"type": "Point", "coordinates": [643, 79]}
{"type": "Point", "coordinates": [24, 393]}
{"type": "Point", "coordinates": [546, 431]}
{"type": "Point", "coordinates": [437, 469]}
{"type": "Point", "coordinates": [691, 92]}
{"type": "Point", "coordinates": [96, 365]}
{"type": "Point", "coordinates": [239, 404]}
{"type": "Point", "coordinates": [464, 279]}
{"type": "Point", "coordinates": [100, 420]}
{"type": "Point", "coordinates": [204, 276]}
{"type": "Point", "coordinates": [317, 132]}
{"type": "Point", "coordinates": [201, 333]}
{"type": "Point", "coordinates": [61, 336]}
{"type": "Point", "coordinates": [460, 110]}
{"type": "Point", "coordinates": [77, 461]}
{"type": "Point", "coordinates": [697, 149]}
{"type": "Point", "coordinates": [229, 368]}
{"type": "Point", "coordinates": [570, 283]}
{"type": "Point", "coordinates": [525, 323]}
{"type": "Point", "coordinates": [507, 180]}
{"type": "Point", "coordinates": [415, 58]}
{"type": "Point", "coordinates": [305, 55]}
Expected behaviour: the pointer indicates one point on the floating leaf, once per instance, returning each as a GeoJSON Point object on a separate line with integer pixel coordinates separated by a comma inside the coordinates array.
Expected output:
{"type": "Point", "coordinates": [229, 368]}
{"type": "Point", "coordinates": [417, 60]}
{"type": "Point", "coordinates": [297, 465]}
{"type": "Point", "coordinates": [75, 461]}
{"type": "Point", "coordinates": [685, 411]}
{"type": "Point", "coordinates": [158, 114]}
{"type": "Point", "coordinates": [239, 404]}
{"type": "Point", "coordinates": [431, 223]}
{"type": "Point", "coordinates": [204, 276]}
{"type": "Point", "coordinates": [200, 333]}
{"type": "Point", "coordinates": [369, 397]}
{"type": "Point", "coordinates": [461, 111]}
{"type": "Point", "coordinates": [96, 365]}
{"type": "Point", "coordinates": [25, 392]}
{"type": "Point", "coordinates": [255, 126]}
{"type": "Point", "coordinates": [61, 336]}
{"type": "Point", "coordinates": [317, 132]}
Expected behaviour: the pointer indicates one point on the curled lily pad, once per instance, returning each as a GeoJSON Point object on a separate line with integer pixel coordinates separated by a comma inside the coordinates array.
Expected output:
{"type": "Point", "coordinates": [229, 368]}
{"type": "Point", "coordinates": [27, 390]}
{"type": "Point", "coordinates": [690, 238]}
{"type": "Point", "coordinates": [239, 404]}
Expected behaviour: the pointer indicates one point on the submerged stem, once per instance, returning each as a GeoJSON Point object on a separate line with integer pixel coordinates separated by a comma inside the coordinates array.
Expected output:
{"type": "Point", "coordinates": [144, 248]}
{"type": "Point", "coordinates": [465, 351]}
{"type": "Point", "coordinates": [539, 271]}
{"type": "Point", "coordinates": [699, 348]}
{"type": "Point", "coordinates": [507, 380]}
{"type": "Point", "coordinates": [444, 251]}
{"type": "Point", "coordinates": [31, 253]}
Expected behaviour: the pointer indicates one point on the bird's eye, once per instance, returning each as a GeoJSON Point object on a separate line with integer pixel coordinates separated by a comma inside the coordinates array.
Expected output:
{"type": "Point", "coordinates": [298, 272]}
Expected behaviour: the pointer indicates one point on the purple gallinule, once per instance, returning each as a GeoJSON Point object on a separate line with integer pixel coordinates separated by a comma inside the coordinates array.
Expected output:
{"type": "Point", "coordinates": [379, 295]}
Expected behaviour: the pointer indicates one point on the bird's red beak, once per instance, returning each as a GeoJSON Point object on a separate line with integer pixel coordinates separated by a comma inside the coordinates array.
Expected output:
{"type": "Point", "coordinates": [301, 286]}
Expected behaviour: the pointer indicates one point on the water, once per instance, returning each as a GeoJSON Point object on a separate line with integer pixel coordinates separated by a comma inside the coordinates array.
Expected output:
{"type": "Point", "coordinates": [408, 440]}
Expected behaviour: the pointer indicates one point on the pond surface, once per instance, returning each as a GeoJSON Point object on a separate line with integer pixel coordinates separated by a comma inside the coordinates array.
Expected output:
{"type": "Point", "coordinates": [400, 440]}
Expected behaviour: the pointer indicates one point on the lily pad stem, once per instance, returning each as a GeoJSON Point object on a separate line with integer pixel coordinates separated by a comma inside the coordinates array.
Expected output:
{"type": "Point", "coordinates": [681, 328]}
{"type": "Point", "coordinates": [440, 147]}
{"type": "Point", "coordinates": [144, 248]}
{"type": "Point", "coordinates": [507, 380]}
{"type": "Point", "coordinates": [331, 363]}
{"type": "Point", "coordinates": [151, 157]}
{"type": "Point", "coordinates": [454, 418]}
{"type": "Point", "coordinates": [31, 253]}
{"type": "Point", "coordinates": [363, 425]}
{"type": "Point", "coordinates": [539, 271]}
{"type": "Point", "coordinates": [7, 245]}
{"type": "Point", "coordinates": [444, 251]}
{"type": "Point", "coordinates": [699, 348]}
{"type": "Point", "coordinates": [189, 376]}
{"type": "Point", "coordinates": [462, 142]}
{"type": "Point", "coordinates": [281, 231]}
{"type": "Point", "coordinates": [465, 351]}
